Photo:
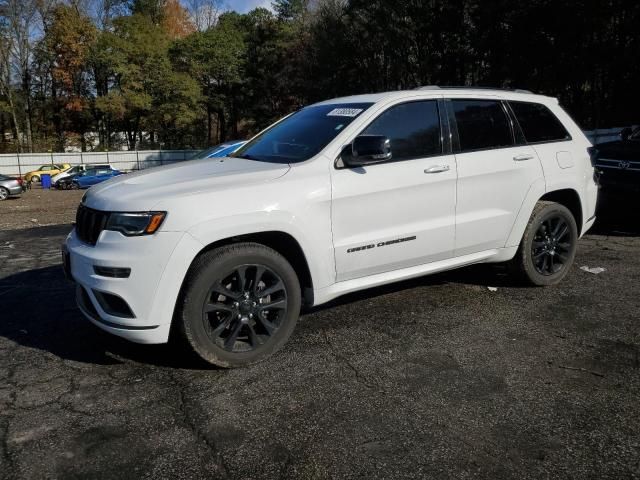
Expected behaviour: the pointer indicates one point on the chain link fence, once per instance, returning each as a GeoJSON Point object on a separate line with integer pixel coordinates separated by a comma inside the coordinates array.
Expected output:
{"type": "Point", "coordinates": [18, 164]}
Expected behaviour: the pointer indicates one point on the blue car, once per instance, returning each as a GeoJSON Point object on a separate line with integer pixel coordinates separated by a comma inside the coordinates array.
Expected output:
{"type": "Point", "coordinates": [94, 176]}
{"type": "Point", "coordinates": [221, 150]}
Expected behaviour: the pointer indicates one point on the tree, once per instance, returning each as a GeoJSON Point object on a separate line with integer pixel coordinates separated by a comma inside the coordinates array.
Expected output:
{"type": "Point", "coordinates": [175, 20]}
{"type": "Point", "coordinates": [19, 19]}
{"type": "Point", "coordinates": [204, 13]}
{"type": "Point", "coordinates": [215, 58]}
{"type": "Point", "coordinates": [143, 90]}
{"type": "Point", "coordinates": [69, 41]}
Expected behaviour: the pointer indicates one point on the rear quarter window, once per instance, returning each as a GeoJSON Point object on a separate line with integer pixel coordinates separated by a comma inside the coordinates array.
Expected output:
{"type": "Point", "coordinates": [538, 123]}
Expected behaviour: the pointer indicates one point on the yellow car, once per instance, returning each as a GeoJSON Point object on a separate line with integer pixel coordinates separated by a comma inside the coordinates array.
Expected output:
{"type": "Point", "coordinates": [53, 169]}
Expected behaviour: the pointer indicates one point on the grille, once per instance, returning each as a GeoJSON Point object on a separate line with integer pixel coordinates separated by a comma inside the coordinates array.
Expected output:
{"type": "Point", "coordinates": [89, 224]}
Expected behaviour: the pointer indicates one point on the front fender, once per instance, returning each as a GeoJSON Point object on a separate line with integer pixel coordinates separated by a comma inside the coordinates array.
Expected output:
{"type": "Point", "coordinates": [318, 249]}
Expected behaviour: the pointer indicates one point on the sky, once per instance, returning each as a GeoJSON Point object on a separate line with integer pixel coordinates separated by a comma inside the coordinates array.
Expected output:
{"type": "Point", "coordinates": [243, 6]}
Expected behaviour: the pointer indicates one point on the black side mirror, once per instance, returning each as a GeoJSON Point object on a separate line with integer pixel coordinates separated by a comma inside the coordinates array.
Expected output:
{"type": "Point", "coordinates": [625, 134]}
{"type": "Point", "coordinates": [366, 150]}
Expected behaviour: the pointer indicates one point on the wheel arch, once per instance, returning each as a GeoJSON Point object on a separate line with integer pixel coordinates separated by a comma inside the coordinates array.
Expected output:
{"type": "Point", "coordinates": [569, 198]}
{"type": "Point", "coordinates": [283, 243]}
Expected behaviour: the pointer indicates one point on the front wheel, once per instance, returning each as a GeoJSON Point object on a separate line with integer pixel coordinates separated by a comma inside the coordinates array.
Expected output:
{"type": "Point", "coordinates": [241, 303]}
{"type": "Point", "coordinates": [34, 178]}
{"type": "Point", "coordinates": [548, 246]}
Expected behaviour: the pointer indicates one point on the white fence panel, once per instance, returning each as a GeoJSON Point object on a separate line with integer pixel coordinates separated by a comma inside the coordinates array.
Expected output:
{"type": "Point", "coordinates": [19, 164]}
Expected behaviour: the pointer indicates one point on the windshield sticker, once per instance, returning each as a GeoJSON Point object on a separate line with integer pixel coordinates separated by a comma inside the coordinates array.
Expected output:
{"type": "Point", "coordinates": [344, 112]}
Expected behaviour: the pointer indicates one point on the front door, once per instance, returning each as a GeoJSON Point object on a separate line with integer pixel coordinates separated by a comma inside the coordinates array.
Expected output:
{"type": "Point", "coordinates": [399, 213]}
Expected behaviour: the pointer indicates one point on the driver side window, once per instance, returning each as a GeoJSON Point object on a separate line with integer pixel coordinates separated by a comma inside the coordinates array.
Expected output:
{"type": "Point", "coordinates": [413, 129]}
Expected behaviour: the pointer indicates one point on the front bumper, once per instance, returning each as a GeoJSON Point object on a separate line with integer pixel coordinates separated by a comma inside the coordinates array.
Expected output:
{"type": "Point", "coordinates": [156, 272]}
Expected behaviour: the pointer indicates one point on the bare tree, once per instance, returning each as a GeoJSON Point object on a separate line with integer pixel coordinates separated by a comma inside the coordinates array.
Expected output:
{"type": "Point", "coordinates": [204, 13]}
{"type": "Point", "coordinates": [21, 20]}
{"type": "Point", "coordinates": [6, 84]}
{"type": "Point", "coordinates": [104, 11]}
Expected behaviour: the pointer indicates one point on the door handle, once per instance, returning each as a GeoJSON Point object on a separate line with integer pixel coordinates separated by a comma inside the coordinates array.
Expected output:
{"type": "Point", "coordinates": [523, 157]}
{"type": "Point", "coordinates": [437, 169]}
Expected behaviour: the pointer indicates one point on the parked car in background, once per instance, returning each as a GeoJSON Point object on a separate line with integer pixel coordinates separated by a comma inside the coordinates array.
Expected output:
{"type": "Point", "coordinates": [72, 171]}
{"type": "Point", "coordinates": [619, 163]}
{"type": "Point", "coordinates": [66, 183]}
{"type": "Point", "coordinates": [93, 176]}
{"type": "Point", "coordinates": [221, 150]}
{"type": "Point", "coordinates": [10, 186]}
{"type": "Point", "coordinates": [52, 169]}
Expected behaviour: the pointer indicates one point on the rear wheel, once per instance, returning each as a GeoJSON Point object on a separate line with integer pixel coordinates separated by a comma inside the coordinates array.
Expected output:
{"type": "Point", "coordinates": [241, 303]}
{"type": "Point", "coordinates": [4, 193]}
{"type": "Point", "coordinates": [548, 246]}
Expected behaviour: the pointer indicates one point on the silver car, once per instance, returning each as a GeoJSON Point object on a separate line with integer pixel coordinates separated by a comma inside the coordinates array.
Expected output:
{"type": "Point", "coordinates": [10, 186]}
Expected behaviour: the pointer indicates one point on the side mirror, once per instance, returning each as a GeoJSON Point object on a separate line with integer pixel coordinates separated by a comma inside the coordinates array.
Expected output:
{"type": "Point", "coordinates": [625, 134]}
{"type": "Point", "coordinates": [366, 150]}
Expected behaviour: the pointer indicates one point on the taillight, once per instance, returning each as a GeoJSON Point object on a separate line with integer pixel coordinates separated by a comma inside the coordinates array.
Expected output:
{"type": "Point", "coordinates": [593, 155]}
{"type": "Point", "coordinates": [20, 181]}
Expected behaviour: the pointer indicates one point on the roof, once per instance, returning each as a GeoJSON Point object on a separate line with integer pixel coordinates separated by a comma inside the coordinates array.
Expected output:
{"type": "Point", "coordinates": [435, 91]}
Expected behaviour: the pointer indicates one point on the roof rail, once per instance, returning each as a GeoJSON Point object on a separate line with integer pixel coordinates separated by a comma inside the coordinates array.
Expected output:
{"type": "Point", "coordinates": [455, 87]}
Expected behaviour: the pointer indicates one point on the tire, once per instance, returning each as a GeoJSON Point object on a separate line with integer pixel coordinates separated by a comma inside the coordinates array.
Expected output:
{"type": "Point", "coordinates": [4, 193]}
{"type": "Point", "coordinates": [34, 178]}
{"type": "Point", "coordinates": [543, 261]}
{"type": "Point", "coordinates": [239, 329]}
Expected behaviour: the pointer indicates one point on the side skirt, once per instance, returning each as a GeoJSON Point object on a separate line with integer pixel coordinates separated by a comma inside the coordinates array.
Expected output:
{"type": "Point", "coordinates": [324, 295]}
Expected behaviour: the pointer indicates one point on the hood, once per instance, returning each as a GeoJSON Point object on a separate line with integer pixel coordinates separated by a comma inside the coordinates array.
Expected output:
{"type": "Point", "coordinates": [143, 190]}
{"type": "Point", "coordinates": [619, 150]}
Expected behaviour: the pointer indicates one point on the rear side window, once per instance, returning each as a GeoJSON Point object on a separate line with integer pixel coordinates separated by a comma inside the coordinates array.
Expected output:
{"type": "Point", "coordinates": [482, 124]}
{"type": "Point", "coordinates": [538, 123]}
{"type": "Point", "coordinates": [413, 128]}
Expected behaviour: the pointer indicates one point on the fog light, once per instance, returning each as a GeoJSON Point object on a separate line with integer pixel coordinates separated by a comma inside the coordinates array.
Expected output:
{"type": "Point", "coordinates": [113, 304]}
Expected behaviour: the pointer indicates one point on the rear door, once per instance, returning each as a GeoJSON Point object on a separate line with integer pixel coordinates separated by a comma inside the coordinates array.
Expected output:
{"type": "Point", "coordinates": [494, 173]}
{"type": "Point", "coordinates": [399, 213]}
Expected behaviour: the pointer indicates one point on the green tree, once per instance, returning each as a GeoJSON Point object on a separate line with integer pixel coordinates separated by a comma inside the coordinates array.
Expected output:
{"type": "Point", "coordinates": [144, 92]}
{"type": "Point", "coordinates": [216, 58]}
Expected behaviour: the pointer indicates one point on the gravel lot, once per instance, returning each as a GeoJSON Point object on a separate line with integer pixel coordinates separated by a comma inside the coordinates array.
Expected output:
{"type": "Point", "coordinates": [433, 378]}
{"type": "Point", "coordinates": [39, 207]}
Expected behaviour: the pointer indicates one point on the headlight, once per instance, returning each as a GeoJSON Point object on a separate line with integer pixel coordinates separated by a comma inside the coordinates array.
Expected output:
{"type": "Point", "coordinates": [131, 224]}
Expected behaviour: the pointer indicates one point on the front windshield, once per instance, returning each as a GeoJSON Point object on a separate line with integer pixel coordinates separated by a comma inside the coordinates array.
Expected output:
{"type": "Point", "coordinates": [636, 134]}
{"type": "Point", "coordinates": [301, 135]}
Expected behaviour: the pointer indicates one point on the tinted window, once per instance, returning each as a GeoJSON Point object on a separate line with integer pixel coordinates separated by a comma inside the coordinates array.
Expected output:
{"type": "Point", "coordinates": [481, 124]}
{"type": "Point", "coordinates": [413, 128]}
{"type": "Point", "coordinates": [301, 135]}
{"type": "Point", "coordinates": [537, 122]}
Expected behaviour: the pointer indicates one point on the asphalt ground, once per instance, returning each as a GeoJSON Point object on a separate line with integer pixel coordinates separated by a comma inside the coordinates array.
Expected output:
{"type": "Point", "coordinates": [433, 378]}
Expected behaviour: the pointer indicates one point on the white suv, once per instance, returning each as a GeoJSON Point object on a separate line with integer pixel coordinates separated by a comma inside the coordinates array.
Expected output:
{"type": "Point", "coordinates": [339, 196]}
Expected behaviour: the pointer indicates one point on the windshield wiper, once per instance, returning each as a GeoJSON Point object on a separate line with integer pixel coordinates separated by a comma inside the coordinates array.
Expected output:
{"type": "Point", "coordinates": [247, 156]}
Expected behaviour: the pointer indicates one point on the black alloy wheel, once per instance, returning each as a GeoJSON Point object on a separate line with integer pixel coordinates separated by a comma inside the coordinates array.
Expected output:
{"type": "Point", "coordinates": [548, 246]}
{"type": "Point", "coordinates": [552, 245]}
{"type": "Point", "coordinates": [240, 304]}
{"type": "Point", "coordinates": [244, 308]}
